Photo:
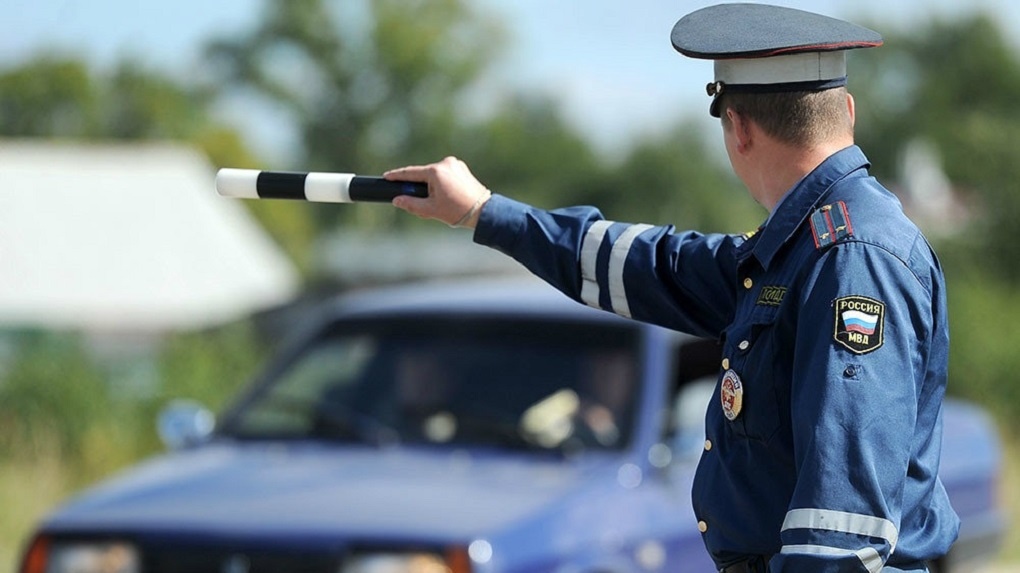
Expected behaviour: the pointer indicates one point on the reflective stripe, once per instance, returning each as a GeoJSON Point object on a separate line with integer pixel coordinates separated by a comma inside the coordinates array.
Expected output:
{"type": "Point", "coordinates": [842, 522]}
{"type": "Point", "coordinates": [617, 259]}
{"type": "Point", "coordinates": [589, 258]}
{"type": "Point", "coordinates": [870, 558]}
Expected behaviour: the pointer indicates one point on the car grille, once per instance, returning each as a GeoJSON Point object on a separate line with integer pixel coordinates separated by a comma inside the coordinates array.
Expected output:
{"type": "Point", "coordinates": [191, 560]}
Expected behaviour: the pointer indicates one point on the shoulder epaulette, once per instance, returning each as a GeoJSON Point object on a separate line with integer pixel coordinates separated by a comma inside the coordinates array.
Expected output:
{"type": "Point", "coordinates": [831, 224]}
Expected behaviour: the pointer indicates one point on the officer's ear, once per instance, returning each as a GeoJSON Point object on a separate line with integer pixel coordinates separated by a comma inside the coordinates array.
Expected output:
{"type": "Point", "coordinates": [739, 128]}
{"type": "Point", "coordinates": [851, 109]}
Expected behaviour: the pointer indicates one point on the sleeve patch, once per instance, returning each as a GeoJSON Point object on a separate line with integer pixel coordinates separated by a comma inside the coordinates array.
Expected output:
{"type": "Point", "coordinates": [831, 224]}
{"type": "Point", "coordinates": [860, 323]}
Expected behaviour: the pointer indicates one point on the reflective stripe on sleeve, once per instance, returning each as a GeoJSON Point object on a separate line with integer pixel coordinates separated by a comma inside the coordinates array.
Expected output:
{"type": "Point", "coordinates": [617, 259]}
{"type": "Point", "coordinates": [841, 522]}
{"type": "Point", "coordinates": [869, 557]}
{"type": "Point", "coordinates": [589, 259]}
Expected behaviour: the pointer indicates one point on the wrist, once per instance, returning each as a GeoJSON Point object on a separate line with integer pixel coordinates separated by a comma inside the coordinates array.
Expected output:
{"type": "Point", "coordinates": [470, 218]}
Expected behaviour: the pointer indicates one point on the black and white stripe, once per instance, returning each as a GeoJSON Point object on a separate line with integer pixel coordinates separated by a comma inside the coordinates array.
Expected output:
{"type": "Point", "coordinates": [314, 186]}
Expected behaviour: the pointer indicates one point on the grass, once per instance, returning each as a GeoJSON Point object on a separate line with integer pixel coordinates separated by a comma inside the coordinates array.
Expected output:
{"type": "Point", "coordinates": [1010, 496]}
{"type": "Point", "coordinates": [28, 489]}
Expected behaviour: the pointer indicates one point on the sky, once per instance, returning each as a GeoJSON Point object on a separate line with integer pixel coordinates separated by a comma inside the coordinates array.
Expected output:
{"type": "Point", "coordinates": [609, 62]}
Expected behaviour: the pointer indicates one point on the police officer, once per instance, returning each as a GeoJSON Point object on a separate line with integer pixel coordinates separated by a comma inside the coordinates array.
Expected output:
{"type": "Point", "coordinates": [824, 434]}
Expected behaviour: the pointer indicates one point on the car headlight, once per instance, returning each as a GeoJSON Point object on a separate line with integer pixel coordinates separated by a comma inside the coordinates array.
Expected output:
{"type": "Point", "coordinates": [411, 562]}
{"type": "Point", "coordinates": [51, 556]}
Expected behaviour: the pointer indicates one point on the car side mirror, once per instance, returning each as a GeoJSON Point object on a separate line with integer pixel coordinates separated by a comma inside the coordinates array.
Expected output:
{"type": "Point", "coordinates": [184, 423]}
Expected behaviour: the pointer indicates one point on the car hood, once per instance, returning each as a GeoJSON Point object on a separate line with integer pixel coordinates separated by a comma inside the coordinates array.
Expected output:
{"type": "Point", "coordinates": [314, 489]}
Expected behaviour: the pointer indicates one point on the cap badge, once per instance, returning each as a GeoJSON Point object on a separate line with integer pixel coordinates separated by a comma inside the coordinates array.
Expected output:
{"type": "Point", "coordinates": [731, 393]}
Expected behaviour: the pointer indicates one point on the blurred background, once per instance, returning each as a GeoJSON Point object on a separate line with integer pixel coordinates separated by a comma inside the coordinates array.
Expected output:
{"type": "Point", "coordinates": [126, 282]}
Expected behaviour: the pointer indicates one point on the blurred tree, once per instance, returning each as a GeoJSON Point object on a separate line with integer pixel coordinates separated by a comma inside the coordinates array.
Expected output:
{"type": "Point", "coordinates": [527, 151]}
{"type": "Point", "coordinates": [682, 179]}
{"type": "Point", "coordinates": [369, 84]}
{"type": "Point", "coordinates": [48, 96]}
{"type": "Point", "coordinates": [955, 85]}
{"type": "Point", "coordinates": [61, 97]}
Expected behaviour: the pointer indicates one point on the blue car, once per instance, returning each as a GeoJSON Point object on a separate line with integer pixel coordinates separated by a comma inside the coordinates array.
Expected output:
{"type": "Point", "coordinates": [484, 427]}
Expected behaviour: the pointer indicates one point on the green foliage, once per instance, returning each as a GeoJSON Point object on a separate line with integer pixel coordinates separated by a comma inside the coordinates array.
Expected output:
{"type": "Point", "coordinates": [60, 398]}
{"type": "Point", "coordinates": [210, 367]}
{"type": "Point", "coordinates": [530, 153]}
{"type": "Point", "coordinates": [61, 97]}
{"type": "Point", "coordinates": [984, 361]}
{"type": "Point", "coordinates": [369, 85]}
{"type": "Point", "coordinates": [207, 367]}
{"type": "Point", "coordinates": [681, 179]}
{"type": "Point", "coordinates": [527, 151]}
{"type": "Point", "coordinates": [48, 95]}
{"type": "Point", "coordinates": [70, 416]}
{"type": "Point", "coordinates": [50, 396]}
{"type": "Point", "coordinates": [954, 84]}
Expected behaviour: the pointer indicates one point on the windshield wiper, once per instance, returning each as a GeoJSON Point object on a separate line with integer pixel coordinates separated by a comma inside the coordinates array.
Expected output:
{"type": "Point", "coordinates": [482, 429]}
{"type": "Point", "coordinates": [336, 420]}
{"type": "Point", "coordinates": [362, 425]}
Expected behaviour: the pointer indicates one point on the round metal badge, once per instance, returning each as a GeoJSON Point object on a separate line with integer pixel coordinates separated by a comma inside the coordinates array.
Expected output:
{"type": "Point", "coordinates": [731, 393]}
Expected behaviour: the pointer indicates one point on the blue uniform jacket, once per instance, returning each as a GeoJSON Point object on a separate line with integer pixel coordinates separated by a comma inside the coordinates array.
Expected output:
{"type": "Point", "coordinates": [824, 434]}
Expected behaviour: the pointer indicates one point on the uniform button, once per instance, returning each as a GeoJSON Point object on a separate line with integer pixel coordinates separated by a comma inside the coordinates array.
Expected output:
{"type": "Point", "coordinates": [702, 526]}
{"type": "Point", "coordinates": [744, 345]}
{"type": "Point", "coordinates": [725, 363]}
{"type": "Point", "coordinates": [748, 283]}
{"type": "Point", "coordinates": [708, 445]}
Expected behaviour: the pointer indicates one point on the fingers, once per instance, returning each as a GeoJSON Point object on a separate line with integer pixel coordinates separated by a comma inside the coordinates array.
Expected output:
{"type": "Point", "coordinates": [425, 173]}
{"type": "Point", "coordinates": [419, 207]}
{"type": "Point", "coordinates": [453, 190]}
{"type": "Point", "coordinates": [413, 173]}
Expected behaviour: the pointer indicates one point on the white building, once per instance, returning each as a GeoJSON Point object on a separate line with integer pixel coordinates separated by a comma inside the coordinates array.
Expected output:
{"type": "Point", "coordinates": [127, 238]}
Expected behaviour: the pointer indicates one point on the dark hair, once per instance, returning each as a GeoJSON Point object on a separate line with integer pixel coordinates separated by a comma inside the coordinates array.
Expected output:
{"type": "Point", "coordinates": [796, 118]}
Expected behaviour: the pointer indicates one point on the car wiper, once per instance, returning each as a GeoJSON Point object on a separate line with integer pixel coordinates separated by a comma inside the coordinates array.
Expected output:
{"type": "Point", "coordinates": [337, 420]}
{"type": "Point", "coordinates": [363, 425]}
{"type": "Point", "coordinates": [481, 429]}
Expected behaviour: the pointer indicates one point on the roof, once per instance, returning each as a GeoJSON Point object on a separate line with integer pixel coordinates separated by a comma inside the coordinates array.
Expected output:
{"type": "Point", "coordinates": [127, 237]}
{"type": "Point", "coordinates": [522, 296]}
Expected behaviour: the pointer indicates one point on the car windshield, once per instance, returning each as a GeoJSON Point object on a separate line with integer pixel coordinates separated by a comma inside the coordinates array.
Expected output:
{"type": "Point", "coordinates": [462, 382]}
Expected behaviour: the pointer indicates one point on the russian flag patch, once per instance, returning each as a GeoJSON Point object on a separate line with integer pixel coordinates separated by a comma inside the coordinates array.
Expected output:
{"type": "Point", "coordinates": [860, 323]}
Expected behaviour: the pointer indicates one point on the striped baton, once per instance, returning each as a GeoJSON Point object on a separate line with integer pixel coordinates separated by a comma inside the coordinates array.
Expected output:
{"type": "Point", "coordinates": [318, 187]}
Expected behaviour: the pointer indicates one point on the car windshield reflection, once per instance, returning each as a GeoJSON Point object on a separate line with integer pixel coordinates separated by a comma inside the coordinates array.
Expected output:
{"type": "Point", "coordinates": [467, 382]}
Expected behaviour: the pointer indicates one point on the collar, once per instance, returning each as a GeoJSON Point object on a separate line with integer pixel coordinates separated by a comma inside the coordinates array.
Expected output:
{"type": "Point", "coordinates": [799, 202]}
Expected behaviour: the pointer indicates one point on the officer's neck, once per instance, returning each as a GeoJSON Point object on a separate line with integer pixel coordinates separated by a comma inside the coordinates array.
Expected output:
{"type": "Point", "coordinates": [775, 167]}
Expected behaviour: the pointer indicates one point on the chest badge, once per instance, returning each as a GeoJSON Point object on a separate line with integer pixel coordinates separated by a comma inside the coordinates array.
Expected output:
{"type": "Point", "coordinates": [771, 296]}
{"type": "Point", "coordinates": [860, 323]}
{"type": "Point", "coordinates": [731, 393]}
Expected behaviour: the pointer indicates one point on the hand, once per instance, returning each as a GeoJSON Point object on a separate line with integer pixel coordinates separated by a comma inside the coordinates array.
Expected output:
{"type": "Point", "coordinates": [455, 196]}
